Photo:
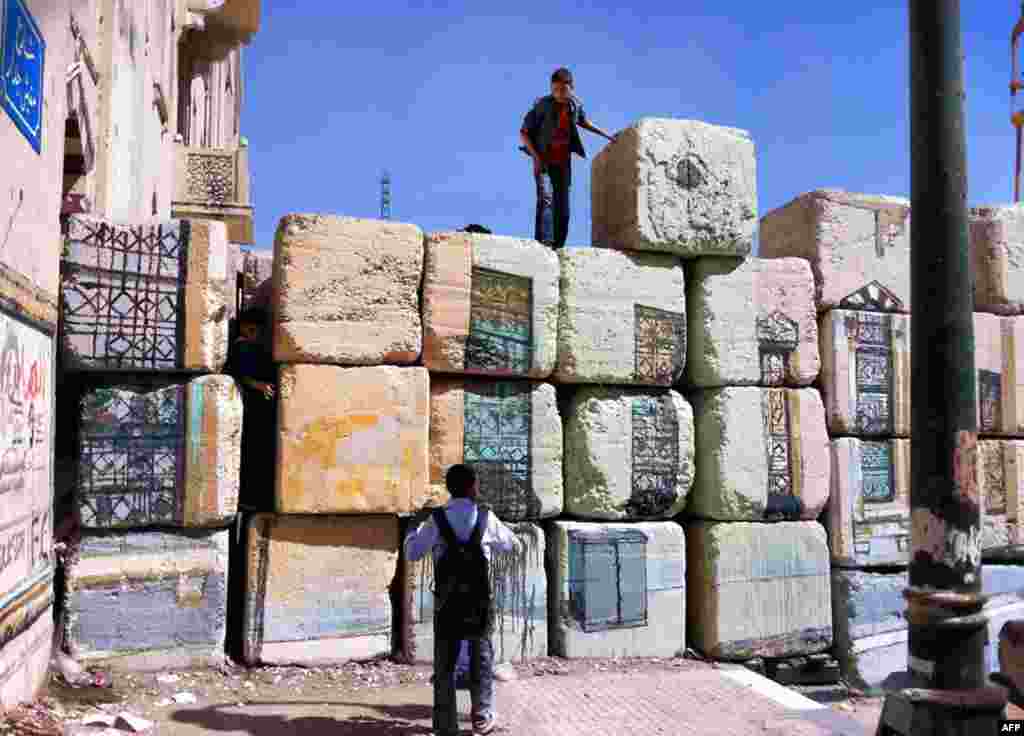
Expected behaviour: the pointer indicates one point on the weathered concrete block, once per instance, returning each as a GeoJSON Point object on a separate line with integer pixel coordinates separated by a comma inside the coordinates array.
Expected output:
{"type": "Point", "coordinates": [752, 322]}
{"type": "Point", "coordinates": [510, 432]}
{"type": "Point", "coordinates": [997, 247]}
{"type": "Point", "coordinates": [865, 373]}
{"type": "Point", "coordinates": [317, 588]}
{"type": "Point", "coordinates": [869, 508]}
{"type": "Point", "coordinates": [758, 590]}
{"type": "Point", "coordinates": [1001, 489]}
{"type": "Point", "coordinates": [145, 297]}
{"type": "Point", "coordinates": [871, 628]}
{"type": "Point", "coordinates": [743, 474]}
{"type": "Point", "coordinates": [26, 636]}
{"type": "Point", "coordinates": [149, 600]}
{"type": "Point", "coordinates": [677, 186]}
{"type": "Point", "coordinates": [169, 456]}
{"type": "Point", "coordinates": [490, 305]}
{"type": "Point", "coordinates": [352, 440]}
{"type": "Point", "coordinates": [616, 590]}
{"type": "Point", "coordinates": [628, 454]}
{"type": "Point", "coordinates": [622, 318]}
{"type": "Point", "coordinates": [999, 361]}
{"type": "Point", "coordinates": [346, 291]}
{"type": "Point", "coordinates": [858, 246]}
{"type": "Point", "coordinates": [257, 278]}
{"type": "Point", "coordinates": [519, 584]}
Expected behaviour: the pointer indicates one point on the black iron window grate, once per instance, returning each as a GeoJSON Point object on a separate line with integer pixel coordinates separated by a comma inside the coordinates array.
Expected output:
{"type": "Point", "coordinates": [608, 579]}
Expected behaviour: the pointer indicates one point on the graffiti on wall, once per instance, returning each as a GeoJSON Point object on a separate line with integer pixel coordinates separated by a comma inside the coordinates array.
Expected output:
{"type": "Point", "coordinates": [500, 323]}
{"type": "Point", "coordinates": [660, 345]}
{"type": "Point", "coordinates": [655, 454]}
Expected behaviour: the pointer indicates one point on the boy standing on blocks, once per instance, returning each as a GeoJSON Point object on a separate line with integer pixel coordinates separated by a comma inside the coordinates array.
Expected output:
{"type": "Point", "coordinates": [462, 536]}
{"type": "Point", "coordinates": [550, 135]}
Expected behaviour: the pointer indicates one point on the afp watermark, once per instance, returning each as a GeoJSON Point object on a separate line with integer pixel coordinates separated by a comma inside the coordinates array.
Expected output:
{"type": "Point", "coordinates": [1015, 726]}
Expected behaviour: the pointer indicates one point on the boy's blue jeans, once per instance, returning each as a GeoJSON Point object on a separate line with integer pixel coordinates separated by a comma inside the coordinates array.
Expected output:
{"type": "Point", "coordinates": [551, 225]}
{"type": "Point", "coordinates": [481, 680]}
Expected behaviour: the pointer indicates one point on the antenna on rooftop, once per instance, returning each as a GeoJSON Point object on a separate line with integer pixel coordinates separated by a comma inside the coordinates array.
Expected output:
{"type": "Point", "coordinates": [385, 196]}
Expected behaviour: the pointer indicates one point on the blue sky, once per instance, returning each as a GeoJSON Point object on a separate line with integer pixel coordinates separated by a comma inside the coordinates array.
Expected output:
{"type": "Point", "coordinates": [435, 92]}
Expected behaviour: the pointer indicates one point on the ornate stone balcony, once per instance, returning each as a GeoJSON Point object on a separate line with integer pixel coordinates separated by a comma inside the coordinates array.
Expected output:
{"type": "Point", "coordinates": [213, 184]}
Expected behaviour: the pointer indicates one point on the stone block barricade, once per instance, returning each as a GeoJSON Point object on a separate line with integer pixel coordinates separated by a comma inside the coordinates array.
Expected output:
{"type": "Point", "coordinates": [999, 362]}
{"type": "Point", "coordinates": [616, 589]}
{"type": "Point", "coordinates": [352, 440]}
{"type": "Point", "coordinates": [149, 601]}
{"type": "Point", "coordinates": [346, 291]}
{"type": "Point", "coordinates": [758, 590]}
{"type": "Point", "coordinates": [622, 318]}
{"type": "Point", "coordinates": [520, 589]}
{"type": "Point", "coordinates": [756, 447]}
{"type": "Point", "coordinates": [869, 507]}
{"type": "Point", "coordinates": [145, 298]}
{"type": "Point", "coordinates": [997, 246]}
{"type": "Point", "coordinates": [510, 432]}
{"type": "Point", "coordinates": [752, 323]}
{"type": "Point", "coordinates": [490, 306]}
{"type": "Point", "coordinates": [160, 457]}
{"type": "Point", "coordinates": [317, 588]}
{"type": "Point", "coordinates": [628, 454]}
{"type": "Point", "coordinates": [858, 246]}
{"type": "Point", "coordinates": [676, 186]}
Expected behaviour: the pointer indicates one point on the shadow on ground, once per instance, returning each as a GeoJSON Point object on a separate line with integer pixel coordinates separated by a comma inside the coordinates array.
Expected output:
{"type": "Point", "coordinates": [395, 720]}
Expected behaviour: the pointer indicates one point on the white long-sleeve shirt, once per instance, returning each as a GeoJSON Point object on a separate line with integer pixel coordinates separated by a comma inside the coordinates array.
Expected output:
{"type": "Point", "coordinates": [461, 513]}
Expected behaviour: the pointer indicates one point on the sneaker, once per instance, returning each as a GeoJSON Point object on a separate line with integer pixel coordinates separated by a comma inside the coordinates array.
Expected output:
{"type": "Point", "coordinates": [484, 724]}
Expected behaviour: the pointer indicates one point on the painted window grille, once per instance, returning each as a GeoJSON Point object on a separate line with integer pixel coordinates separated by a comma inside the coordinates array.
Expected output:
{"type": "Point", "coordinates": [872, 334]}
{"type": "Point", "coordinates": [777, 339]}
{"type": "Point", "coordinates": [660, 345]}
{"type": "Point", "coordinates": [500, 323]}
{"type": "Point", "coordinates": [608, 579]}
{"type": "Point", "coordinates": [876, 472]}
{"type": "Point", "coordinates": [992, 466]}
{"type": "Point", "coordinates": [655, 451]}
{"type": "Point", "coordinates": [775, 414]}
{"type": "Point", "coordinates": [990, 395]}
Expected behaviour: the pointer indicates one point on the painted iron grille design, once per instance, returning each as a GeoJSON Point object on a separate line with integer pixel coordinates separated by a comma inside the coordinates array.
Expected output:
{"type": "Point", "coordinates": [123, 295]}
{"type": "Point", "coordinates": [131, 458]}
{"type": "Point", "coordinates": [655, 457]}
{"type": "Point", "coordinates": [496, 442]}
{"type": "Point", "coordinates": [990, 397]}
{"type": "Point", "coordinates": [872, 297]}
{"type": "Point", "coordinates": [777, 338]}
{"type": "Point", "coordinates": [876, 472]}
{"type": "Point", "coordinates": [873, 371]}
{"type": "Point", "coordinates": [660, 345]}
{"type": "Point", "coordinates": [500, 323]}
{"type": "Point", "coordinates": [995, 481]}
{"type": "Point", "coordinates": [775, 414]}
{"type": "Point", "coordinates": [608, 579]}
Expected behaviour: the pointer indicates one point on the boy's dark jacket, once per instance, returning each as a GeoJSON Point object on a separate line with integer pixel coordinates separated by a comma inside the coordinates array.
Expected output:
{"type": "Point", "coordinates": [542, 120]}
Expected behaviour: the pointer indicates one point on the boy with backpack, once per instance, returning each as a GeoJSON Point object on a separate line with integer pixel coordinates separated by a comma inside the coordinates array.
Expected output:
{"type": "Point", "coordinates": [462, 536]}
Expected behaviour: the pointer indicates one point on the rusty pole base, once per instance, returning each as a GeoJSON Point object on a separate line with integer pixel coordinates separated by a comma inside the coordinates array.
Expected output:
{"type": "Point", "coordinates": [943, 712]}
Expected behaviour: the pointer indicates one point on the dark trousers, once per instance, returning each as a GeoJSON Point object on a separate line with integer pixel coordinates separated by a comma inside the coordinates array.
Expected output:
{"type": "Point", "coordinates": [551, 226]}
{"type": "Point", "coordinates": [481, 680]}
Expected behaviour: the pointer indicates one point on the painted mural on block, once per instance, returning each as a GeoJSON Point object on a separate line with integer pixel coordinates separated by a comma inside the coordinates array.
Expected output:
{"type": "Point", "coordinates": [660, 345]}
{"type": "Point", "coordinates": [497, 443]}
{"type": "Point", "coordinates": [655, 454]}
{"type": "Point", "coordinates": [500, 323]}
{"type": "Point", "coordinates": [872, 297]}
{"type": "Point", "coordinates": [777, 339]}
{"type": "Point", "coordinates": [993, 468]}
{"type": "Point", "coordinates": [990, 398]}
{"type": "Point", "coordinates": [775, 414]}
{"type": "Point", "coordinates": [608, 579]}
{"type": "Point", "coordinates": [879, 522]}
{"type": "Point", "coordinates": [122, 296]}
{"type": "Point", "coordinates": [872, 372]}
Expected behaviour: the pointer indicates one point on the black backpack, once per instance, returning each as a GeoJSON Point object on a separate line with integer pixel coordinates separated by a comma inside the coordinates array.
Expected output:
{"type": "Point", "coordinates": [462, 581]}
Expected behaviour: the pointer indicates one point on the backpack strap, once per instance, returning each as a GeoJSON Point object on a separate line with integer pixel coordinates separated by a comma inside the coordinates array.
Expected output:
{"type": "Point", "coordinates": [445, 527]}
{"type": "Point", "coordinates": [482, 517]}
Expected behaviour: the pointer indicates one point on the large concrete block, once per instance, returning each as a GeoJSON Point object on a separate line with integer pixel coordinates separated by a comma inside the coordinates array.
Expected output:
{"type": "Point", "coordinates": [871, 628]}
{"type": "Point", "coordinates": [510, 432]}
{"type": "Point", "coordinates": [865, 373]}
{"type": "Point", "coordinates": [149, 600]}
{"type": "Point", "coordinates": [677, 186]}
{"type": "Point", "coordinates": [26, 638]}
{"type": "Point", "coordinates": [628, 454]}
{"type": "Point", "coordinates": [758, 590]}
{"type": "Point", "coordinates": [622, 318]}
{"type": "Point", "coordinates": [1001, 488]}
{"type": "Point", "coordinates": [616, 590]}
{"type": "Point", "coordinates": [346, 291]}
{"type": "Point", "coordinates": [999, 361]}
{"type": "Point", "coordinates": [519, 585]}
{"type": "Point", "coordinates": [165, 457]}
{"type": "Point", "coordinates": [743, 473]}
{"type": "Point", "coordinates": [869, 508]}
{"type": "Point", "coordinates": [490, 305]}
{"type": "Point", "coordinates": [352, 440]}
{"type": "Point", "coordinates": [145, 297]}
{"type": "Point", "coordinates": [751, 322]}
{"type": "Point", "coordinates": [997, 247]}
{"type": "Point", "coordinates": [317, 588]}
{"type": "Point", "coordinates": [858, 246]}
